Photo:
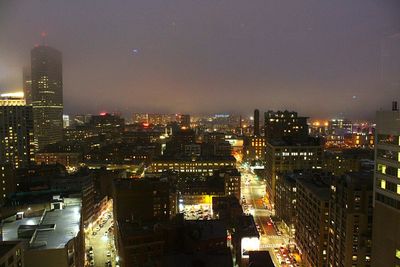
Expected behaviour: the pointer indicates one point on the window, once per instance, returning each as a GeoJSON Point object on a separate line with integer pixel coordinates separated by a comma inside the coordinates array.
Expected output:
{"type": "Point", "coordinates": [398, 254]}
{"type": "Point", "coordinates": [383, 184]}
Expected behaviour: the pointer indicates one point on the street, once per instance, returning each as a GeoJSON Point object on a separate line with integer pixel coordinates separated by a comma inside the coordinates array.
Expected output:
{"type": "Point", "coordinates": [100, 241]}
{"type": "Point", "coordinates": [272, 238]}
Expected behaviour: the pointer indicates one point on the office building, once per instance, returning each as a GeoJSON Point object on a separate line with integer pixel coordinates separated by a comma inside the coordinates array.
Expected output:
{"type": "Point", "coordinates": [386, 230]}
{"type": "Point", "coordinates": [285, 125]}
{"type": "Point", "coordinates": [312, 224]}
{"type": "Point", "coordinates": [16, 131]}
{"type": "Point", "coordinates": [47, 94]}
{"type": "Point", "coordinates": [254, 148]}
{"type": "Point", "coordinates": [283, 157]}
{"type": "Point", "coordinates": [200, 165]}
{"type": "Point", "coordinates": [350, 220]}
{"type": "Point", "coordinates": [184, 120]}
{"type": "Point", "coordinates": [285, 199]}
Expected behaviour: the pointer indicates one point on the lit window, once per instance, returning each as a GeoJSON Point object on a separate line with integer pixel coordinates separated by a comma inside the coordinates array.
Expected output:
{"type": "Point", "coordinates": [383, 184]}
{"type": "Point", "coordinates": [398, 253]}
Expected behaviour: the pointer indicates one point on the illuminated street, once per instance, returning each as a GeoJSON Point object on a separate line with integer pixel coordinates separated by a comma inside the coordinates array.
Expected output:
{"type": "Point", "coordinates": [253, 191]}
{"type": "Point", "coordinates": [100, 239]}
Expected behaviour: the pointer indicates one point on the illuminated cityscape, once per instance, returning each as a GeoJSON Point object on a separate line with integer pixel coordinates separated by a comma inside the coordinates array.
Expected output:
{"type": "Point", "coordinates": [200, 133]}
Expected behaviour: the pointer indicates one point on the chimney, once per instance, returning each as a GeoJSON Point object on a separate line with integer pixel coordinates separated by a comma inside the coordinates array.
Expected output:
{"type": "Point", "coordinates": [394, 106]}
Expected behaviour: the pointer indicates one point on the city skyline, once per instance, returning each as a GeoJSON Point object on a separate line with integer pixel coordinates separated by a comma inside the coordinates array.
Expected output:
{"type": "Point", "coordinates": [164, 58]}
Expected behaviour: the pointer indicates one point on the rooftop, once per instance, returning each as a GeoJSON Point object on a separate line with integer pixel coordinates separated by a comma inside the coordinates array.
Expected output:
{"type": "Point", "coordinates": [316, 184]}
{"type": "Point", "coordinates": [54, 229]}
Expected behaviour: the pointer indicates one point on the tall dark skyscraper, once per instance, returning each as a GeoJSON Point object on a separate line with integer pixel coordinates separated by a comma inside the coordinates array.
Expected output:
{"type": "Point", "coordinates": [47, 94]}
{"type": "Point", "coordinates": [256, 122]}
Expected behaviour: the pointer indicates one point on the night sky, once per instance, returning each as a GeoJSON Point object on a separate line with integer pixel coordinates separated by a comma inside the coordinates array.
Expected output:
{"type": "Point", "coordinates": [323, 58]}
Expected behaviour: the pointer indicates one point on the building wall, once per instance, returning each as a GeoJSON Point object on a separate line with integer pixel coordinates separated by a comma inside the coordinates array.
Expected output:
{"type": "Point", "coordinates": [15, 256]}
{"type": "Point", "coordinates": [16, 135]}
{"type": "Point", "coordinates": [386, 230]}
{"type": "Point", "coordinates": [312, 227]}
{"type": "Point", "coordinates": [46, 258]}
{"type": "Point", "coordinates": [385, 237]}
{"type": "Point", "coordinates": [284, 159]}
{"type": "Point", "coordinates": [350, 230]}
{"type": "Point", "coordinates": [202, 167]}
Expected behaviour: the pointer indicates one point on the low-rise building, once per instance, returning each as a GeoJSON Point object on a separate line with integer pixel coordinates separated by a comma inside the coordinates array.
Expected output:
{"type": "Point", "coordinates": [53, 239]}
{"type": "Point", "coordinates": [144, 200]}
{"type": "Point", "coordinates": [199, 165]}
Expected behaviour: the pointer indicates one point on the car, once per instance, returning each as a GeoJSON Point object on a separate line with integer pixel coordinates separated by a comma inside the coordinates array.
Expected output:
{"type": "Point", "coordinates": [94, 233]}
{"type": "Point", "coordinates": [108, 254]}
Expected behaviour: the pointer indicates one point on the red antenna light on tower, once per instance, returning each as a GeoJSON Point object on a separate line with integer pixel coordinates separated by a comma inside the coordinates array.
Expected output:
{"type": "Point", "coordinates": [43, 35]}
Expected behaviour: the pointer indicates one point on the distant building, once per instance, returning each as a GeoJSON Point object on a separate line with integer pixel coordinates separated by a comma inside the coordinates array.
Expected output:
{"type": "Point", "coordinates": [27, 84]}
{"type": "Point", "coordinates": [68, 159]}
{"type": "Point", "coordinates": [312, 223]}
{"type": "Point", "coordinates": [285, 124]}
{"type": "Point", "coordinates": [184, 120]}
{"type": "Point", "coordinates": [256, 130]}
{"type": "Point", "coordinates": [16, 131]}
{"type": "Point", "coordinates": [199, 165]}
{"type": "Point", "coordinates": [47, 94]}
{"type": "Point", "coordinates": [350, 220]}
{"type": "Point", "coordinates": [107, 123]}
{"type": "Point", "coordinates": [386, 230]}
{"type": "Point", "coordinates": [232, 181]}
{"type": "Point", "coordinates": [254, 148]}
{"type": "Point", "coordinates": [160, 119]}
{"type": "Point", "coordinates": [340, 127]}
{"type": "Point", "coordinates": [140, 118]}
{"type": "Point", "coordinates": [66, 122]}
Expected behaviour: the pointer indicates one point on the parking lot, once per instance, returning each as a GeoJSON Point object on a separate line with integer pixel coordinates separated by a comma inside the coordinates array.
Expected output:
{"type": "Point", "coordinates": [197, 212]}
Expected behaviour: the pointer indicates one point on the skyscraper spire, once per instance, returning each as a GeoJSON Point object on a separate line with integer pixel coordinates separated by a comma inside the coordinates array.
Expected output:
{"type": "Point", "coordinates": [43, 35]}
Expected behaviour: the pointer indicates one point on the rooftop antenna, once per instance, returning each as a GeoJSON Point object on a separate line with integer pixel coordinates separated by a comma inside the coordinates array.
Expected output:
{"type": "Point", "coordinates": [43, 35]}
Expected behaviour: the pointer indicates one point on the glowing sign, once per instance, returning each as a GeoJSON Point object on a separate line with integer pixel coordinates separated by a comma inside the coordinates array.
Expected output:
{"type": "Point", "coordinates": [249, 244]}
